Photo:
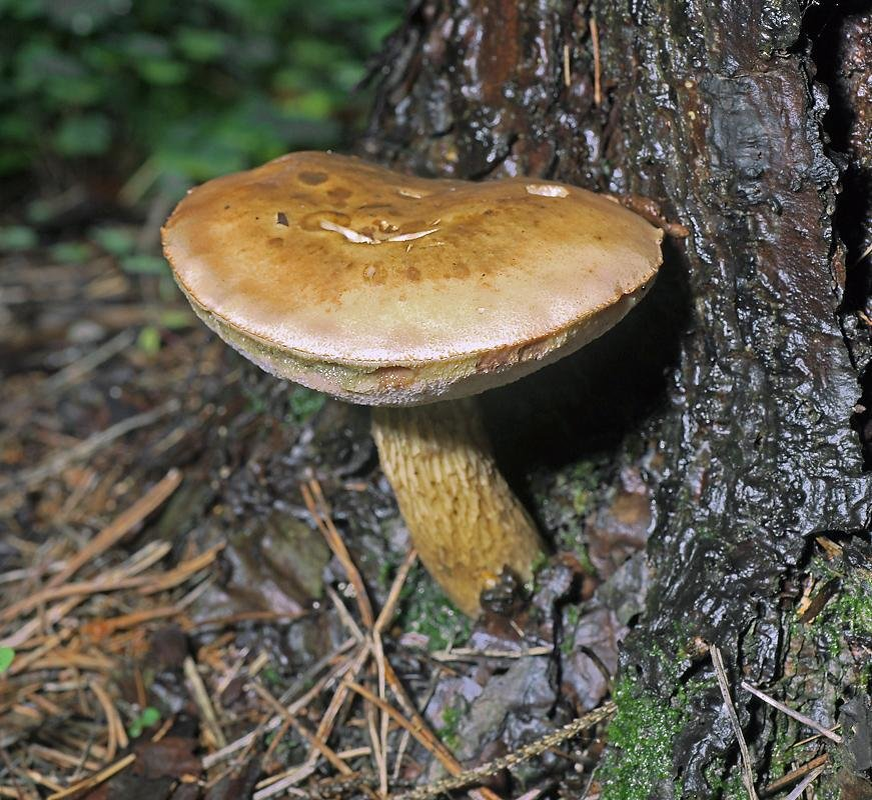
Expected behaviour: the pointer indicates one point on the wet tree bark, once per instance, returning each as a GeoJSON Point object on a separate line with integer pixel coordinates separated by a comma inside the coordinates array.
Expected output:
{"type": "Point", "coordinates": [749, 123]}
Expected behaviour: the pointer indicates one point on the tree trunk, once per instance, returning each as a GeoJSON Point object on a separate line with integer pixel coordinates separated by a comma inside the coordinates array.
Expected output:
{"type": "Point", "coordinates": [745, 366]}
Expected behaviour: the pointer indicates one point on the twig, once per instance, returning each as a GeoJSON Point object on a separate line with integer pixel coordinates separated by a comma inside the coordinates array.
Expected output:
{"type": "Point", "coordinates": [521, 755]}
{"type": "Point", "coordinates": [57, 463]}
{"type": "Point", "coordinates": [295, 775]}
{"type": "Point", "coordinates": [94, 780]}
{"type": "Point", "coordinates": [117, 736]}
{"type": "Point", "coordinates": [747, 774]}
{"type": "Point", "coordinates": [567, 81]}
{"type": "Point", "coordinates": [597, 74]}
{"type": "Point", "coordinates": [122, 524]}
{"type": "Point", "coordinates": [816, 726]}
{"type": "Point", "coordinates": [320, 513]}
{"type": "Point", "coordinates": [387, 613]}
{"type": "Point", "coordinates": [183, 571]}
{"type": "Point", "coordinates": [794, 795]}
{"type": "Point", "coordinates": [272, 723]}
{"type": "Point", "coordinates": [449, 763]}
{"type": "Point", "coordinates": [204, 704]}
{"type": "Point", "coordinates": [794, 775]}
{"type": "Point", "coordinates": [469, 654]}
{"type": "Point", "coordinates": [88, 362]}
{"type": "Point", "coordinates": [320, 745]}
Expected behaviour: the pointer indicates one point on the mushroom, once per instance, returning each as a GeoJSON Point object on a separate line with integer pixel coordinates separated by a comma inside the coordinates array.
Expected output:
{"type": "Point", "coordinates": [412, 295]}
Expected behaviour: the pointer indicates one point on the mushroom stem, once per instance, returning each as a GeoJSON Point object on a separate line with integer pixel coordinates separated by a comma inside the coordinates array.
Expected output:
{"type": "Point", "coordinates": [464, 520]}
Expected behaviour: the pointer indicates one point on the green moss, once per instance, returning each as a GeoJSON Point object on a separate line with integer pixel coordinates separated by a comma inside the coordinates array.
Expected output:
{"type": "Point", "coordinates": [426, 610]}
{"type": "Point", "coordinates": [848, 614]}
{"type": "Point", "coordinates": [571, 616]}
{"type": "Point", "coordinates": [640, 738]}
{"type": "Point", "coordinates": [448, 733]}
{"type": "Point", "coordinates": [304, 404]}
{"type": "Point", "coordinates": [566, 503]}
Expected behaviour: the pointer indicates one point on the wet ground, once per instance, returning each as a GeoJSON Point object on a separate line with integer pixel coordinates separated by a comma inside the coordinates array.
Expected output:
{"type": "Point", "coordinates": [168, 585]}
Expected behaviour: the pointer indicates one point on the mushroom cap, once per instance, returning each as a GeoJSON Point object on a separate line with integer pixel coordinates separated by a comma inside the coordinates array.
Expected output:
{"type": "Point", "coordinates": [381, 288]}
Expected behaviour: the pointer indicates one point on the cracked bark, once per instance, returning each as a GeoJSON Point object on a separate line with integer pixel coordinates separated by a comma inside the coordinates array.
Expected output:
{"type": "Point", "coordinates": [740, 119]}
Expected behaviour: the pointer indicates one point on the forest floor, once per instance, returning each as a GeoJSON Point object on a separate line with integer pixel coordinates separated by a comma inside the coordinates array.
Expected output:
{"type": "Point", "coordinates": [206, 591]}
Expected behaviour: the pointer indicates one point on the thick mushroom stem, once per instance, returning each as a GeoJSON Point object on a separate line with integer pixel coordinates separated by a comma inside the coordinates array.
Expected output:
{"type": "Point", "coordinates": [464, 520]}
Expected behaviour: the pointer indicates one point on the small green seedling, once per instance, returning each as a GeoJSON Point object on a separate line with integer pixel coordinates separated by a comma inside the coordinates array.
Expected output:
{"type": "Point", "coordinates": [7, 656]}
{"type": "Point", "coordinates": [149, 716]}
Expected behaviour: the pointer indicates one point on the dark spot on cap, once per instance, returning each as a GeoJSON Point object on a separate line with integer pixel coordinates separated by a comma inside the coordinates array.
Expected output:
{"type": "Point", "coordinates": [338, 194]}
{"type": "Point", "coordinates": [413, 274]}
{"type": "Point", "coordinates": [313, 178]}
{"type": "Point", "coordinates": [276, 241]}
{"type": "Point", "coordinates": [282, 219]}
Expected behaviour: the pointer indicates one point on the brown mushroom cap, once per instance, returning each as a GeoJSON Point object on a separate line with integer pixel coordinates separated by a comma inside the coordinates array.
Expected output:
{"type": "Point", "coordinates": [382, 288]}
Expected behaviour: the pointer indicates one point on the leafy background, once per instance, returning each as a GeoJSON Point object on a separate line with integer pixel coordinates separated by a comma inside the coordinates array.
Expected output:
{"type": "Point", "coordinates": [120, 101]}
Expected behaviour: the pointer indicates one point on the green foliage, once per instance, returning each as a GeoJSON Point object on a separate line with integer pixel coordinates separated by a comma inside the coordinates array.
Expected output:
{"type": "Point", "coordinates": [305, 403]}
{"type": "Point", "coordinates": [150, 716]}
{"type": "Point", "coordinates": [849, 613]}
{"type": "Point", "coordinates": [7, 656]}
{"type": "Point", "coordinates": [426, 610]}
{"type": "Point", "coordinates": [197, 88]}
{"type": "Point", "coordinates": [449, 732]}
{"type": "Point", "coordinates": [17, 237]}
{"type": "Point", "coordinates": [149, 340]}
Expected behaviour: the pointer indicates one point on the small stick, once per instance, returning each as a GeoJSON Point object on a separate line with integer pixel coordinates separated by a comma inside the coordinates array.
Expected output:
{"type": "Point", "coordinates": [117, 736]}
{"type": "Point", "coordinates": [387, 613]}
{"type": "Point", "coordinates": [816, 726]}
{"type": "Point", "coordinates": [469, 654]}
{"type": "Point", "coordinates": [334, 540]}
{"type": "Point", "coordinates": [567, 81]}
{"type": "Point", "coordinates": [794, 795]}
{"type": "Point", "coordinates": [450, 764]}
{"type": "Point", "coordinates": [121, 525]}
{"type": "Point", "coordinates": [94, 780]}
{"type": "Point", "coordinates": [313, 740]}
{"type": "Point", "coordinates": [78, 369]}
{"type": "Point", "coordinates": [271, 724]}
{"type": "Point", "coordinates": [295, 775]}
{"type": "Point", "coordinates": [182, 572]}
{"type": "Point", "coordinates": [785, 780]}
{"type": "Point", "coordinates": [747, 774]}
{"type": "Point", "coordinates": [204, 704]}
{"type": "Point", "coordinates": [597, 74]}
{"type": "Point", "coordinates": [57, 463]}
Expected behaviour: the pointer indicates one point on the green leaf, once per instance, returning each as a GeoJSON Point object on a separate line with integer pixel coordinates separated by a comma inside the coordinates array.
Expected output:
{"type": "Point", "coordinates": [176, 318]}
{"type": "Point", "coordinates": [149, 340]}
{"type": "Point", "coordinates": [115, 240]}
{"type": "Point", "coordinates": [7, 656]}
{"type": "Point", "coordinates": [201, 45]}
{"type": "Point", "coordinates": [143, 264]}
{"type": "Point", "coordinates": [71, 252]}
{"type": "Point", "coordinates": [84, 135]}
{"type": "Point", "coordinates": [17, 237]}
{"type": "Point", "coordinates": [163, 72]}
{"type": "Point", "coordinates": [149, 716]}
